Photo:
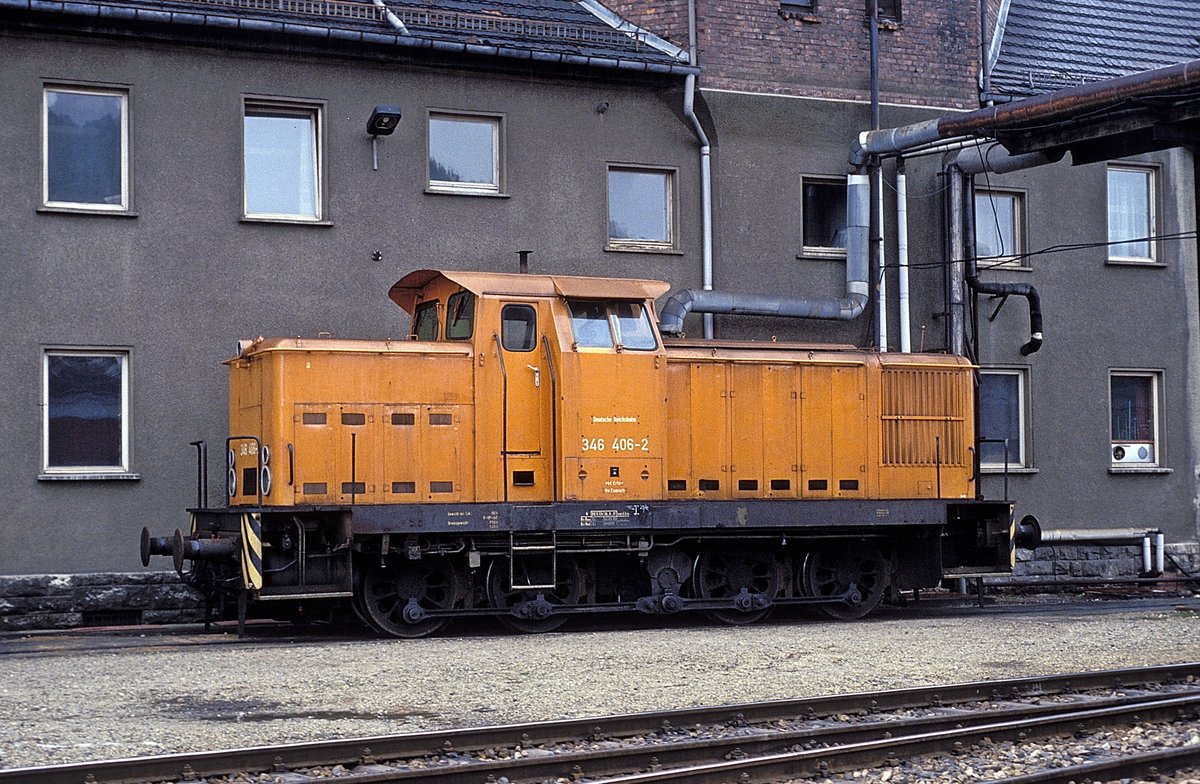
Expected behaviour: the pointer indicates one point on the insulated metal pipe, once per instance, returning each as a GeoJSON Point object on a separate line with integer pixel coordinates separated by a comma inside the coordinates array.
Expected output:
{"type": "Point", "coordinates": [956, 277]}
{"type": "Point", "coordinates": [902, 256]}
{"type": "Point", "coordinates": [1056, 105]}
{"type": "Point", "coordinates": [858, 208]}
{"type": "Point", "coordinates": [706, 248]}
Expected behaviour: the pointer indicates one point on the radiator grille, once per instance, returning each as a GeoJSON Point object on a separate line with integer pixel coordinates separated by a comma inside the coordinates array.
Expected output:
{"type": "Point", "coordinates": [925, 417]}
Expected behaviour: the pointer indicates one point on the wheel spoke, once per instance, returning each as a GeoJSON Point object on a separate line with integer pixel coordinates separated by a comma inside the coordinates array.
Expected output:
{"type": "Point", "coordinates": [387, 590]}
{"type": "Point", "coordinates": [833, 570]}
{"type": "Point", "coordinates": [721, 574]}
{"type": "Point", "coordinates": [566, 592]}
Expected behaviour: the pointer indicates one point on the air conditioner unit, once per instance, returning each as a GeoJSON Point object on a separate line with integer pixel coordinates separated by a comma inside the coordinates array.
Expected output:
{"type": "Point", "coordinates": [1133, 454]}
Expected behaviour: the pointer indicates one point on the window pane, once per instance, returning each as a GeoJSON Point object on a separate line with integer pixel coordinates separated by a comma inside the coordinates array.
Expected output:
{"type": "Point", "coordinates": [518, 328]}
{"type": "Point", "coordinates": [995, 225]}
{"type": "Point", "coordinates": [460, 315]}
{"type": "Point", "coordinates": [83, 411]}
{"type": "Point", "coordinates": [1000, 417]}
{"type": "Point", "coordinates": [463, 150]}
{"type": "Point", "coordinates": [639, 206]}
{"type": "Point", "coordinates": [824, 215]}
{"type": "Point", "coordinates": [589, 324]}
{"type": "Point", "coordinates": [633, 326]}
{"type": "Point", "coordinates": [83, 148]}
{"type": "Point", "coordinates": [1132, 408]}
{"type": "Point", "coordinates": [425, 321]}
{"type": "Point", "coordinates": [1129, 213]}
{"type": "Point", "coordinates": [281, 166]}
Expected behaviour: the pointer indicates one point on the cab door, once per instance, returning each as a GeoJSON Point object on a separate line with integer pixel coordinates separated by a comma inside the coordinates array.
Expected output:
{"type": "Point", "coordinates": [527, 389]}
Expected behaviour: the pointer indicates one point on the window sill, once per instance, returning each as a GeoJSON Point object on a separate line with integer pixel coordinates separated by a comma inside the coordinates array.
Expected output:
{"type": "Point", "coordinates": [97, 476]}
{"type": "Point", "coordinates": [998, 471]}
{"type": "Point", "coordinates": [660, 249]}
{"type": "Point", "coordinates": [799, 13]}
{"type": "Point", "coordinates": [433, 191]}
{"type": "Point", "coordinates": [1134, 263]}
{"type": "Point", "coordinates": [987, 267]}
{"type": "Point", "coordinates": [285, 221]}
{"type": "Point", "coordinates": [815, 254]}
{"type": "Point", "coordinates": [44, 210]}
{"type": "Point", "coordinates": [1152, 470]}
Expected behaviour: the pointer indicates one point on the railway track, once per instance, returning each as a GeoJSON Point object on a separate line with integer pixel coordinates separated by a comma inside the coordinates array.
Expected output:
{"type": "Point", "coordinates": [753, 742]}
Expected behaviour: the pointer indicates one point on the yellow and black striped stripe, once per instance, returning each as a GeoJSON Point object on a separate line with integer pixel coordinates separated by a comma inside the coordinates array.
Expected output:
{"type": "Point", "coordinates": [252, 577]}
{"type": "Point", "coordinates": [1012, 536]}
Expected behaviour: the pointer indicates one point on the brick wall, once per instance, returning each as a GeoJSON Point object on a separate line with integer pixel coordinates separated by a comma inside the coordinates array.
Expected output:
{"type": "Point", "coordinates": [930, 58]}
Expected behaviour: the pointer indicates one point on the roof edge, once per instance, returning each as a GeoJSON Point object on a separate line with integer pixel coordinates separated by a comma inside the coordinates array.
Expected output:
{"type": "Point", "coordinates": [618, 22]}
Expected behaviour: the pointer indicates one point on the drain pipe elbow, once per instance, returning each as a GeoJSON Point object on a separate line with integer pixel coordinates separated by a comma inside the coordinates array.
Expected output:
{"type": "Point", "coordinates": [971, 278]}
{"type": "Point", "coordinates": [391, 18]}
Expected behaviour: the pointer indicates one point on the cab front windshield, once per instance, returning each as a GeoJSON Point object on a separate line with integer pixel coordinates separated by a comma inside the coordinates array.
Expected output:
{"type": "Point", "coordinates": [611, 324]}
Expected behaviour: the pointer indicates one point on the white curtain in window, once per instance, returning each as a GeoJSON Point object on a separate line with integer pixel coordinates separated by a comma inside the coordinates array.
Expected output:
{"type": "Point", "coordinates": [1129, 213]}
{"type": "Point", "coordinates": [281, 165]}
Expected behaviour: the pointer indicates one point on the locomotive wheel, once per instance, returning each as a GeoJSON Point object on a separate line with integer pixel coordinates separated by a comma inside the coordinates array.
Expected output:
{"type": "Point", "coordinates": [830, 571]}
{"type": "Point", "coordinates": [501, 595]}
{"type": "Point", "coordinates": [722, 571]}
{"type": "Point", "coordinates": [388, 589]}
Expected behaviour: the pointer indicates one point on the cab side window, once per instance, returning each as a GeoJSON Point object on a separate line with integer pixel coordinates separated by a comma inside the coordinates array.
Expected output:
{"type": "Point", "coordinates": [518, 328]}
{"type": "Point", "coordinates": [425, 321]}
{"type": "Point", "coordinates": [460, 316]}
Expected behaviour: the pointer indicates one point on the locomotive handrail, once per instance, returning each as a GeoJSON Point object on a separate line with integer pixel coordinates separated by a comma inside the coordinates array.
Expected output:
{"type": "Point", "coordinates": [979, 469]}
{"type": "Point", "coordinates": [503, 413]}
{"type": "Point", "coordinates": [201, 472]}
{"type": "Point", "coordinates": [553, 416]}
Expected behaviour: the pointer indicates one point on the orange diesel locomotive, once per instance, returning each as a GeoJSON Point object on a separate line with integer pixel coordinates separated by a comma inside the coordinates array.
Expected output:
{"type": "Point", "coordinates": [536, 449]}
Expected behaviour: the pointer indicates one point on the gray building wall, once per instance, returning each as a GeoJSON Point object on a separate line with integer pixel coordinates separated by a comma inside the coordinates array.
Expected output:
{"type": "Point", "coordinates": [179, 283]}
{"type": "Point", "coordinates": [1102, 316]}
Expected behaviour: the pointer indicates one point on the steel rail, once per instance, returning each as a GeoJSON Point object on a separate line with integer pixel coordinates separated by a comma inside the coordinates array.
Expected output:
{"type": "Point", "coordinates": [871, 754]}
{"type": "Point", "coordinates": [1162, 762]}
{"type": "Point", "coordinates": [670, 754]}
{"type": "Point", "coordinates": [412, 745]}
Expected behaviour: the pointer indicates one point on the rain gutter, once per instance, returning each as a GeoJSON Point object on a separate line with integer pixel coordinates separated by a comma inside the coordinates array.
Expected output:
{"type": "Point", "coordinates": [222, 24]}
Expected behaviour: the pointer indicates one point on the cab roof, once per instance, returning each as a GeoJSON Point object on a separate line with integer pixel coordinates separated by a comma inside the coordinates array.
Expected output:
{"type": "Point", "coordinates": [406, 291]}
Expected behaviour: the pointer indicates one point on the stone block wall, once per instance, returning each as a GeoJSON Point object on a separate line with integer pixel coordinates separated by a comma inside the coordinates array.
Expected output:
{"type": "Point", "coordinates": [1079, 561]}
{"type": "Point", "coordinates": [63, 601]}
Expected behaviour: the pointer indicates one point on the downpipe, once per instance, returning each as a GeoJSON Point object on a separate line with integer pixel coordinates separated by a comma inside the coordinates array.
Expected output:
{"type": "Point", "coordinates": [962, 190]}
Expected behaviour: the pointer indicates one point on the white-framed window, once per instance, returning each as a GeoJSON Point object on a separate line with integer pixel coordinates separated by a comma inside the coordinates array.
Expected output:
{"type": "Point", "coordinates": [282, 152]}
{"type": "Point", "coordinates": [1134, 404]}
{"type": "Point", "coordinates": [641, 208]}
{"type": "Point", "coordinates": [85, 149]}
{"type": "Point", "coordinates": [466, 153]}
{"type": "Point", "coordinates": [1003, 418]}
{"type": "Point", "coordinates": [1131, 213]}
{"type": "Point", "coordinates": [85, 411]}
{"type": "Point", "coordinates": [999, 228]}
{"type": "Point", "coordinates": [823, 216]}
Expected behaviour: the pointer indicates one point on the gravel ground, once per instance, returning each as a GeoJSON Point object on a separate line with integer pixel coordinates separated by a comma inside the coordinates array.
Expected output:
{"type": "Point", "coordinates": [187, 692]}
